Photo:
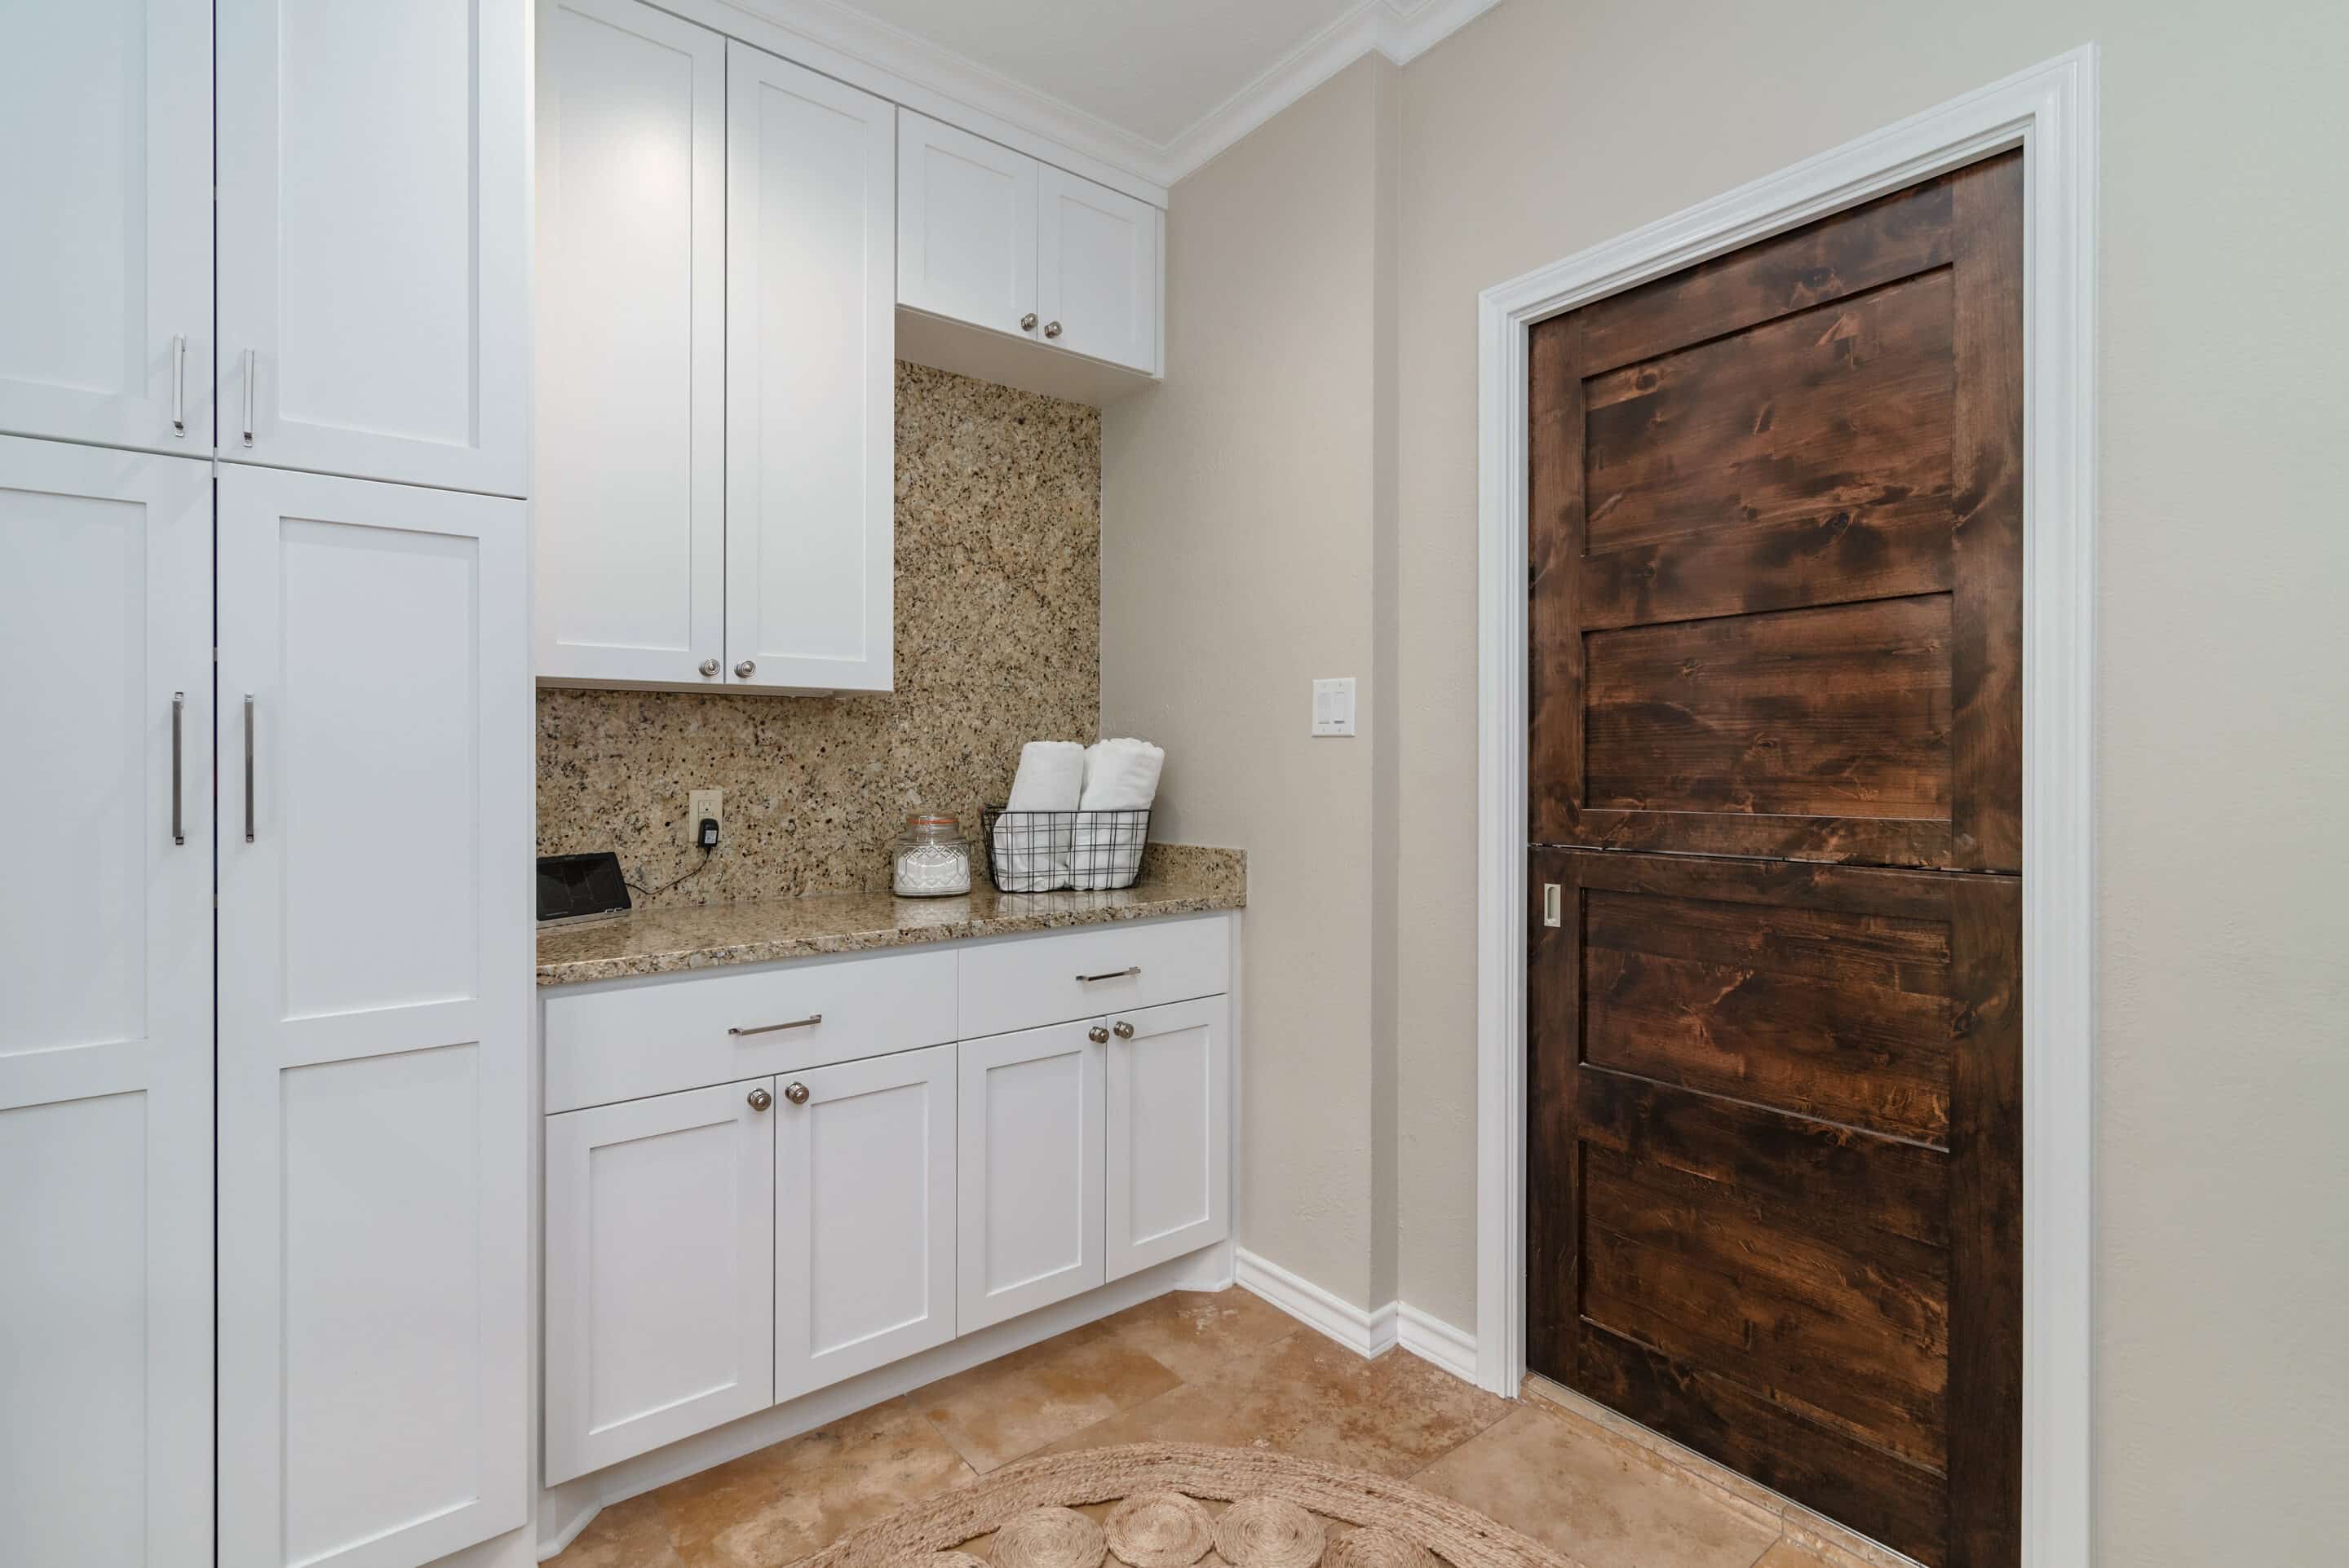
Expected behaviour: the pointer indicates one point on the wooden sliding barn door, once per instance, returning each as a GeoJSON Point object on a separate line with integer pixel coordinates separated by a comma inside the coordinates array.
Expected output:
{"type": "Point", "coordinates": [1775, 1135]}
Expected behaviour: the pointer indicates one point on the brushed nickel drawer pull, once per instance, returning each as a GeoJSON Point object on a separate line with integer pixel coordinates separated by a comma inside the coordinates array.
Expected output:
{"type": "Point", "coordinates": [811, 1019]}
{"type": "Point", "coordinates": [1113, 974]}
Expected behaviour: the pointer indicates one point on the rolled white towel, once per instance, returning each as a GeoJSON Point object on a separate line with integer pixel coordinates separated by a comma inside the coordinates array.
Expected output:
{"type": "Point", "coordinates": [1121, 775]}
{"type": "Point", "coordinates": [1031, 855]}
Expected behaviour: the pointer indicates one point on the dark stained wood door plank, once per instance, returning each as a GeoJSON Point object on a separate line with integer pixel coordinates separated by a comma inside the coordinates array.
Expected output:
{"type": "Point", "coordinates": [1776, 545]}
{"type": "Point", "coordinates": [1775, 1166]}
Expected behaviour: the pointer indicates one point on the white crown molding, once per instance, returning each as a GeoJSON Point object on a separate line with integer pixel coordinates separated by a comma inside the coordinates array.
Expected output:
{"type": "Point", "coordinates": [841, 41]}
{"type": "Point", "coordinates": [1400, 32]}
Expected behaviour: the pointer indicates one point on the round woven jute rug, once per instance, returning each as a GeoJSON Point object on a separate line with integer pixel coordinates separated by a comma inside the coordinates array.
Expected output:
{"type": "Point", "coordinates": [1180, 1504]}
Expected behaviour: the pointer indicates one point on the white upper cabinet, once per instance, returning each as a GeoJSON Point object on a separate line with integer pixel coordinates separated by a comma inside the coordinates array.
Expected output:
{"type": "Point", "coordinates": [811, 387]}
{"type": "Point", "coordinates": [105, 251]}
{"type": "Point", "coordinates": [629, 485]}
{"type": "Point", "coordinates": [106, 1009]}
{"type": "Point", "coordinates": [1097, 271]}
{"type": "Point", "coordinates": [373, 728]}
{"type": "Point", "coordinates": [967, 226]}
{"type": "Point", "coordinates": [993, 239]}
{"type": "Point", "coordinates": [374, 289]}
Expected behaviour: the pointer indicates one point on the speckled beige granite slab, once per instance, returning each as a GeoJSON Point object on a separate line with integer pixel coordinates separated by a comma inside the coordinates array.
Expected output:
{"type": "Point", "coordinates": [663, 941]}
{"type": "Point", "coordinates": [998, 641]}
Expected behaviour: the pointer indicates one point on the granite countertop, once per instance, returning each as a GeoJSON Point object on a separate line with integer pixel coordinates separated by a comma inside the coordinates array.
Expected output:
{"type": "Point", "coordinates": [663, 941]}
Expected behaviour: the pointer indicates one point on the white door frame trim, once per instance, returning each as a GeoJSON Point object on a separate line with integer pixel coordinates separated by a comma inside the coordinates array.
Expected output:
{"type": "Point", "coordinates": [2049, 111]}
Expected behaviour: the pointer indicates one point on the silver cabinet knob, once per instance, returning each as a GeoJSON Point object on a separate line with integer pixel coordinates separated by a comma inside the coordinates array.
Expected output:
{"type": "Point", "coordinates": [1124, 1030]}
{"type": "Point", "coordinates": [760, 1099]}
{"type": "Point", "coordinates": [1097, 1035]}
{"type": "Point", "coordinates": [1051, 329]}
{"type": "Point", "coordinates": [710, 667]}
{"type": "Point", "coordinates": [796, 1093]}
{"type": "Point", "coordinates": [742, 671]}
{"type": "Point", "coordinates": [1027, 322]}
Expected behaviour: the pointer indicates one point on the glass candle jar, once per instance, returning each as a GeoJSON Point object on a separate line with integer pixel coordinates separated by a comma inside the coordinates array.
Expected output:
{"type": "Point", "coordinates": [932, 859]}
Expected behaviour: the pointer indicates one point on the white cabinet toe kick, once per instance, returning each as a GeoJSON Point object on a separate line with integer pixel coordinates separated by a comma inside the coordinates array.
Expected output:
{"type": "Point", "coordinates": [763, 1183]}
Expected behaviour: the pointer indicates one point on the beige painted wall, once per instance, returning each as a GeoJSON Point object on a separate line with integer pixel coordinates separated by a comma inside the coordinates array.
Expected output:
{"type": "Point", "coordinates": [1240, 546]}
{"type": "Point", "coordinates": [1240, 569]}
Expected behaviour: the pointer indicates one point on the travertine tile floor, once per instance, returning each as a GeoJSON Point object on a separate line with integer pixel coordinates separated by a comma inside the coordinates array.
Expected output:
{"type": "Point", "coordinates": [1224, 1368]}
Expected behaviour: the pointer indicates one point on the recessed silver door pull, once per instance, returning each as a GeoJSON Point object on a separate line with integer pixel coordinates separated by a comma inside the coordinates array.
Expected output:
{"type": "Point", "coordinates": [248, 768]}
{"type": "Point", "coordinates": [178, 708]}
{"type": "Point", "coordinates": [1553, 904]}
{"type": "Point", "coordinates": [1126, 974]}
{"type": "Point", "coordinates": [812, 1018]}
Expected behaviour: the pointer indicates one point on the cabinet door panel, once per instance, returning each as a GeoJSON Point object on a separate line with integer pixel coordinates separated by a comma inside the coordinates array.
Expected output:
{"type": "Point", "coordinates": [372, 1052]}
{"type": "Point", "coordinates": [106, 256]}
{"type": "Point", "coordinates": [660, 1235]}
{"type": "Point", "coordinates": [631, 453]}
{"type": "Point", "coordinates": [810, 385]}
{"type": "Point", "coordinates": [106, 1049]}
{"type": "Point", "coordinates": [372, 255]}
{"type": "Point", "coordinates": [1097, 271]}
{"type": "Point", "coordinates": [966, 216]}
{"type": "Point", "coordinates": [1169, 1132]}
{"type": "Point", "coordinates": [1030, 1171]}
{"type": "Point", "coordinates": [864, 1216]}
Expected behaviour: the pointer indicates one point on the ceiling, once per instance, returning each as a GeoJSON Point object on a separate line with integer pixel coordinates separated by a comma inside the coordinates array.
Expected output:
{"type": "Point", "coordinates": [1154, 88]}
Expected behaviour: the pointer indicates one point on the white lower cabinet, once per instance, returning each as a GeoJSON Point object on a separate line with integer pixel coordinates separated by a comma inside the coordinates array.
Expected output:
{"type": "Point", "coordinates": [718, 1250]}
{"type": "Point", "coordinates": [660, 1271]}
{"type": "Point", "coordinates": [864, 1207]}
{"type": "Point", "coordinates": [1029, 1210]}
{"type": "Point", "coordinates": [1169, 1132]}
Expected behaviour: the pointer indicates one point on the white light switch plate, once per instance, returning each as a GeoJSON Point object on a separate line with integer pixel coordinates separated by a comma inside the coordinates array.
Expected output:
{"type": "Point", "coordinates": [1333, 706]}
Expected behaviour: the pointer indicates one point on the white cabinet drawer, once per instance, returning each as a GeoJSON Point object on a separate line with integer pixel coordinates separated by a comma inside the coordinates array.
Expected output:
{"type": "Point", "coordinates": [1024, 981]}
{"type": "Point", "coordinates": [657, 1035]}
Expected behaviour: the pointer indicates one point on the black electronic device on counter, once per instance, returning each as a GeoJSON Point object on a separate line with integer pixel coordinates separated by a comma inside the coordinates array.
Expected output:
{"type": "Point", "coordinates": [576, 888]}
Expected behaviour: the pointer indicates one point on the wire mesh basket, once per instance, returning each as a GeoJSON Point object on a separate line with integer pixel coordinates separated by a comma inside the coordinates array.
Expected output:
{"type": "Point", "coordinates": [1037, 851]}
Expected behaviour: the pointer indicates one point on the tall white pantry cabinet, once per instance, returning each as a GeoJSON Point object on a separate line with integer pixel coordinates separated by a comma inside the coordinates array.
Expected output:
{"type": "Point", "coordinates": [263, 1115]}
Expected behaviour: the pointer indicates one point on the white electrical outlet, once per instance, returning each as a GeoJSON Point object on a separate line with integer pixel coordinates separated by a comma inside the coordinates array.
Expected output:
{"type": "Point", "coordinates": [705, 803]}
{"type": "Point", "coordinates": [1333, 706]}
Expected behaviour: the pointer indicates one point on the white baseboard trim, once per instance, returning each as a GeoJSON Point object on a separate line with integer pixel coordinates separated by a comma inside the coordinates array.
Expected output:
{"type": "Point", "coordinates": [1435, 1341]}
{"type": "Point", "coordinates": [1365, 1331]}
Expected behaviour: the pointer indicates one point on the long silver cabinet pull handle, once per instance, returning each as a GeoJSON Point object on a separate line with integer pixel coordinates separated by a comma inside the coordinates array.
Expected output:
{"type": "Point", "coordinates": [180, 384]}
{"type": "Point", "coordinates": [248, 768]}
{"type": "Point", "coordinates": [248, 397]}
{"type": "Point", "coordinates": [811, 1019]}
{"type": "Point", "coordinates": [1113, 974]}
{"type": "Point", "coordinates": [179, 711]}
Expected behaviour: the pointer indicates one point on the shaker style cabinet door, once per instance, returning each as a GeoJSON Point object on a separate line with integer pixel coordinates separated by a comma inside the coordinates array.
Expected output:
{"type": "Point", "coordinates": [375, 940]}
{"type": "Point", "coordinates": [864, 1216]}
{"type": "Point", "coordinates": [106, 1047]}
{"type": "Point", "coordinates": [967, 227]}
{"type": "Point", "coordinates": [106, 222]}
{"type": "Point", "coordinates": [630, 475]}
{"type": "Point", "coordinates": [661, 1278]}
{"type": "Point", "coordinates": [810, 388]}
{"type": "Point", "coordinates": [1030, 1170]}
{"type": "Point", "coordinates": [1169, 1132]}
{"type": "Point", "coordinates": [1097, 272]}
{"type": "Point", "coordinates": [374, 282]}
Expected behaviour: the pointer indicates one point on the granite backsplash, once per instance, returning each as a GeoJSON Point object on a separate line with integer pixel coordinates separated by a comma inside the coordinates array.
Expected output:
{"type": "Point", "coordinates": [999, 641]}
